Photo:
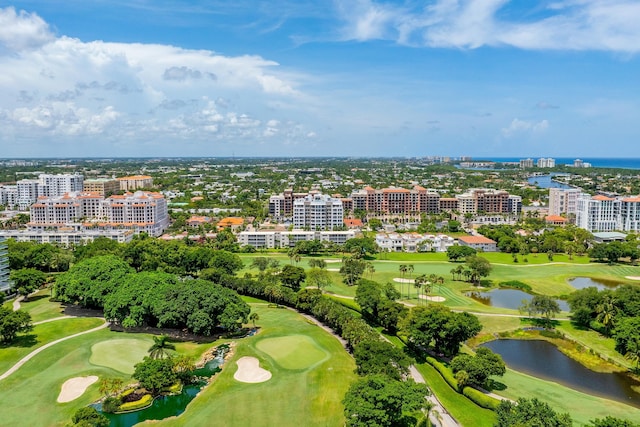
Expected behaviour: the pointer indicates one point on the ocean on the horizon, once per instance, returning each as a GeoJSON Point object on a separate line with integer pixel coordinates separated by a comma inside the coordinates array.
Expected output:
{"type": "Point", "coordinates": [596, 162]}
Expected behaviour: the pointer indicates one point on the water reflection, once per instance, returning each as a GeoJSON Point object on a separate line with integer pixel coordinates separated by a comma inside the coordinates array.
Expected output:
{"type": "Point", "coordinates": [587, 282]}
{"type": "Point", "coordinates": [543, 360]}
{"type": "Point", "coordinates": [507, 298]}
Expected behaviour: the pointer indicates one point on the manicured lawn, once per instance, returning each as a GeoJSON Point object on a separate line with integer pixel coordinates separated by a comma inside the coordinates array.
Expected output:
{"type": "Point", "coordinates": [120, 354]}
{"type": "Point", "coordinates": [40, 308]}
{"type": "Point", "coordinates": [582, 407]}
{"type": "Point", "coordinates": [41, 335]}
{"type": "Point", "coordinates": [311, 397]}
{"type": "Point", "coordinates": [293, 351]}
{"type": "Point", "coordinates": [601, 345]}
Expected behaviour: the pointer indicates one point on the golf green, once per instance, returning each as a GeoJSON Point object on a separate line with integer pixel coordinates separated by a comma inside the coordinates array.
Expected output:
{"type": "Point", "coordinates": [120, 354]}
{"type": "Point", "coordinates": [293, 351]}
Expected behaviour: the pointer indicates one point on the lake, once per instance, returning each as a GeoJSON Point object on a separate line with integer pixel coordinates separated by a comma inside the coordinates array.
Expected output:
{"type": "Point", "coordinates": [587, 282]}
{"type": "Point", "coordinates": [507, 298]}
{"type": "Point", "coordinates": [543, 360]}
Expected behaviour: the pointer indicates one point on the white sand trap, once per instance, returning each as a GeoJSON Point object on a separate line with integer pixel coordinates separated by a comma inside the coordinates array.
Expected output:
{"type": "Point", "coordinates": [74, 387]}
{"type": "Point", "coordinates": [249, 371]}
{"type": "Point", "coordinates": [332, 261]}
{"type": "Point", "coordinates": [433, 299]}
{"type": "Point", "coordinates": [333, 269]}
{"type": "Point", "coordinates": [632, 277]}
{"type": "Point", "coordinates": [401, 280]}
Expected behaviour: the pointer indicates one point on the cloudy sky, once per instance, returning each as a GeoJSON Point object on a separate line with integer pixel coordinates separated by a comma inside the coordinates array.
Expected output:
{"type": "Point", "coordinates": [482, 78]}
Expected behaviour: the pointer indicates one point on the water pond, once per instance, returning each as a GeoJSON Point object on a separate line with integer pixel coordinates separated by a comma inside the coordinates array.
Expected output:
{"type": "Point", "coordinates": [587, 282]}
{"type": "Point", "coordinates": [543, 360]}
{"type": "Point", "coordinates": [507, 298]}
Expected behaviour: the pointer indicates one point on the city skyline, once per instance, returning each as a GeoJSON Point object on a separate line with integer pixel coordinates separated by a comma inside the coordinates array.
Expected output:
{"type": "Point", "coordinates": [303, 78]}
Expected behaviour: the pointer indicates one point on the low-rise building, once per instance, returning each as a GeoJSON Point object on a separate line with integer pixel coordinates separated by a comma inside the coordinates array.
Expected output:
{"type": "Point", "coordinates": [275, 239]}
{"type": "Point", "coordinates": [413, 242]}
{"type": "Point", "coordinates": [479, 243]}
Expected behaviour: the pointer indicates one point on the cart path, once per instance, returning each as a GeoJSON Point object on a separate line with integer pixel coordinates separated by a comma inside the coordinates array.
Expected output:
{"type": "Point", "coordinates": [46, 346]}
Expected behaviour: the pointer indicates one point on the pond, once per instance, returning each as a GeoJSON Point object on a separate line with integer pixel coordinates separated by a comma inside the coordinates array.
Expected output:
{"type": "Point", "coordinates": [546, 181]}
{"type": "Point", "coordinates": [543, 360]}
{"type": "Point", "coordinates": [587, 282]}
{"type": "Point", "coordinates": [168, 406]}
{"type": "Point", "coordinates": [507, 298]}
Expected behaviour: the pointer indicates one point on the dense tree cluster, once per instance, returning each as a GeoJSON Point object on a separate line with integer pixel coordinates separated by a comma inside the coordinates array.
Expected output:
{"type": "Point", "coordinates": [475, 370]}
{"type": "Point", "coordinates": [612, 312]}
{"type": "Point", "coordinates": [439, 328]}
{"type": "Point", "coordinates": [379, 304]}
{"type": "Point", "coordinates": [530, 413]}
{"type": "Point", "coordinates": [153, 298]}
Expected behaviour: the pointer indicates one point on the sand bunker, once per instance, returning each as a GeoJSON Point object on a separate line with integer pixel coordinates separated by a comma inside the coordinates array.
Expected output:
{"type": "Point", "coordinates": [332, 261]}
{"type": "Point", "coordinates": [333, 269]}
{"type": "Point", "coordinates": [249, 371]}
{"type": "Point", "coordinates": [433, 299]}
{"type": "Point", "coordinates": [632, 277]}
{"type": "Point", "coordinates": [400, 280]}
{"type": "Point", "coordinates": [74, 387]}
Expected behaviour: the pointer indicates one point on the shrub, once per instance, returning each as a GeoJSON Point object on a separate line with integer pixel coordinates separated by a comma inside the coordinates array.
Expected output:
{"type": "Point", "coordinates": [446, 373]}
{"type": "Point", "coordinates": [481, 399]}
{"type": "Point", "coordinates": [515, 284]}
{"type": "Point", "coordinates": [143, 402]}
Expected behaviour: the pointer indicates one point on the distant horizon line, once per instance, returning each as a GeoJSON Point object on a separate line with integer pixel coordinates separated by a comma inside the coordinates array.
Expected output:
{"type": "Point", "coordinates": [457, 158]}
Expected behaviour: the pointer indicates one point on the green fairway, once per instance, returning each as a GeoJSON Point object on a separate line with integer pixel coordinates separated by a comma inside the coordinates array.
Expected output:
{"type": "Point", "coordinates": [120, 354]}
{"type": "Point", "coordinates": [293, 352]}
{"type": "Point", "coordinates": [41, 335]}
{"type": "Point", "coordinates": [309, 397]}
{"type": "Point", "coordinates": [40, 308]}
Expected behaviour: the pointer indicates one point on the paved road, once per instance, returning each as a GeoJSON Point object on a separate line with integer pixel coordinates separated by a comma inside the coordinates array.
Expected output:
{"type": "Point", "coordinates": [46, 346]}
{"type": "Point", "coordinates": [438, 416]}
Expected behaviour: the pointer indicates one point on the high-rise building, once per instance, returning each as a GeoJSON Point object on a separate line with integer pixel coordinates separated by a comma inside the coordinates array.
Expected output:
{"type": "Point", "coordinates": [56, 185]}
{"type": "Point", "coordinates": [132, 183]}
{"type": "Point", "coordinates": [526, 163]}
{"type": "Point", "coordinates": [546, 162]}
{"type": "Point", "coordinates": [140, 211]}
{"type": "Point", "coordinates": [563, 201]}
{"type": "Point", "coordinates": [27, 193]}
{"type": "Point", "coordinates": [598, 213]}
{"type": "Point", "coordinates": [318, 212]}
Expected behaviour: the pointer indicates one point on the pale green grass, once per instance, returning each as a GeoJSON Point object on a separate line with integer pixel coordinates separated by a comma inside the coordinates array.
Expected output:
{"type": "Point", "coordinates": [582, 407]}
{"type": "Point", "coordinates": [120, 354]}
{"type": "Point", "coordinates": [40, 308]}
{"type": "Point", "coordinates": [601, 345]}
{"type": "Point", "coordinates": [293, 352]}
{"type": "Point", "coordinates": [311, 397]}
{"type": "Point", "coordinates": [41, 335]}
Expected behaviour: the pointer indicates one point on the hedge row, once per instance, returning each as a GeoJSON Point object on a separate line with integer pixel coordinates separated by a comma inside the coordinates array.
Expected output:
{"type": "Point", "coordinates": [446, 373]}
{"type": "Point", "coordinates": [481, 399]}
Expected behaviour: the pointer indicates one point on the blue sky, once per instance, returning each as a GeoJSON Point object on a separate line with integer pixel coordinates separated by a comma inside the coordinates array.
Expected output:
{"type": "Point", "coordinates": [480, 78]}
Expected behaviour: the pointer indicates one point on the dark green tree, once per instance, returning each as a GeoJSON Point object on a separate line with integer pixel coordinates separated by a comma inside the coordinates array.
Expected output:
{"type": "Point", "coordinates": [155, 374]}
{"type": "Point", "coordinates": [380, 357]}
{"type": "Point", "coordinates": [529, 413]}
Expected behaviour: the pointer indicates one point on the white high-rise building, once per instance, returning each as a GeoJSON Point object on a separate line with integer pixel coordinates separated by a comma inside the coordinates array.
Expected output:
{"type": "Point", "coordinates": [546, 162]}
{"type": "Point", "coordinates": [598, 213]}
{"type": "Point", "coordinates": [318, 212]}
{"type": "Point", "coordinates": [630, 213]}
{"type": "Point", "coordinates": [56, 185]}
{"type": "Point", "coordinates": [27, 193]}
{"type": "Point", "coordinates": [563, 201]}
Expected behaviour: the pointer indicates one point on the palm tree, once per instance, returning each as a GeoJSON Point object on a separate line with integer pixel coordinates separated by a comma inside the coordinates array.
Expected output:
{"type": "Point", "coordinates": [453, 272]}
{"type": "Point", "coordinates": [403, 270]}
{"type": "Point", "coordinates": [371, 269]}
{"type": "Point", "coordinates": [440, 282]}
{"type": "Point", "coordinates": [418, 282]}
{"type": "Point", "coordinates": [273, 291]}
{"type": "Point", "coordinates": [160, 347]}
{"type": "Point", "coordinates": [607, 311]}
{"type": "Point", "coordinates": [410, 271]}
{"type": "Point", "coordinates": [633, 352]}
{"type": "Point", "coordinates": [254, 317]}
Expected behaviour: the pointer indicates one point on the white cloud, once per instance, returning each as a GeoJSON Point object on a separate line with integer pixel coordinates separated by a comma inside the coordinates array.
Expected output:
{"type": "Point", "coordinates": [57, 87]}
{"type": "Point", "coordinates": [22, 30]}
{"type": "Point", "coordinates": [518, 126]}
{"type": "Point", "coordinates": [605, 25]}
